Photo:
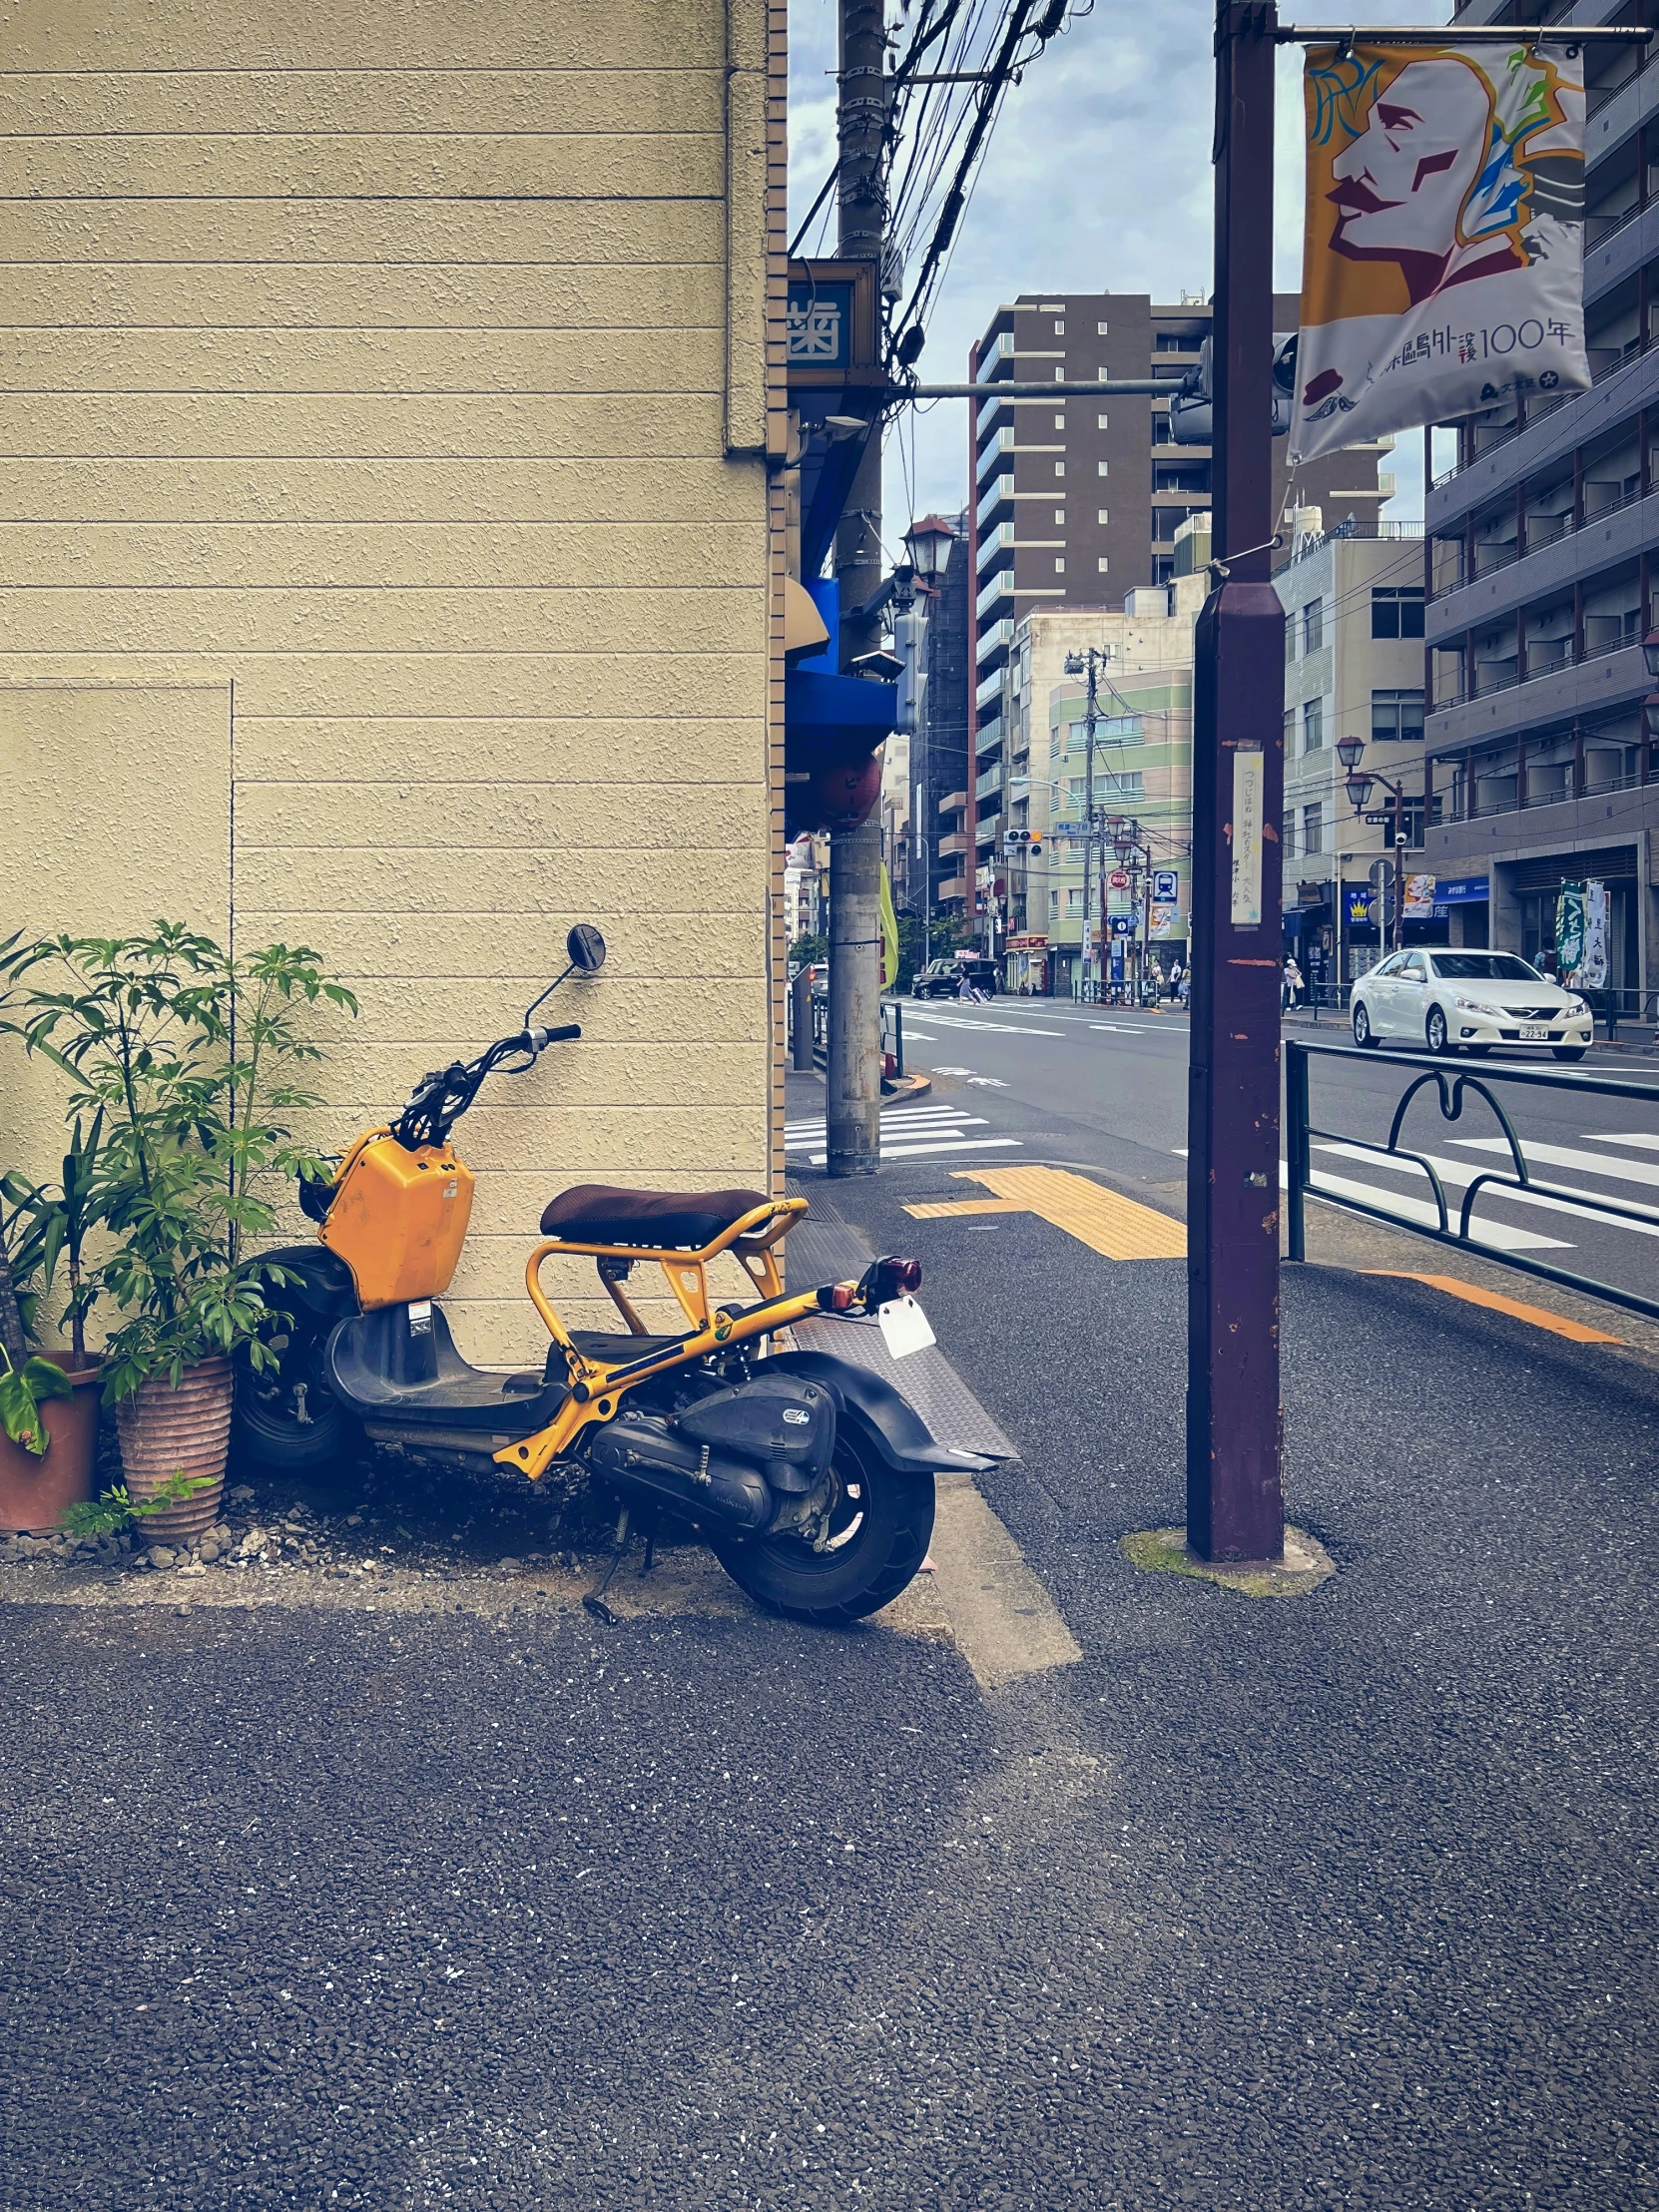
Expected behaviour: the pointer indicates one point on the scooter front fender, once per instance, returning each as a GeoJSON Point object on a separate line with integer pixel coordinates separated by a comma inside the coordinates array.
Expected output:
{"type": "Point", "coordinates": [888, 1421]}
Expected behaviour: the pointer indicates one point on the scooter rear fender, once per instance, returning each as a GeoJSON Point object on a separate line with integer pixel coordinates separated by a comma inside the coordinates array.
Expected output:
{"type": "Point", "coordinates": [323, 1288]}
{"type": "Point", "coordinates": [893, 1425]}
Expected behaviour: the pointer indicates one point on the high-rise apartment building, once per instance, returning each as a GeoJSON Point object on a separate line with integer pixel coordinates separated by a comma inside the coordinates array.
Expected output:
{"type": "Point", "coordinates": [1077, 502]}
{"type": "Point", "coordinates": [1543, 563]}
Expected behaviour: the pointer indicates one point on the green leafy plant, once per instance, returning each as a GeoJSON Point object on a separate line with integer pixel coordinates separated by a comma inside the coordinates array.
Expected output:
{"type": "Point", "coordinates": [24, 1388]}
{"type": "Point", "coordinates": [115, 1511]}
{"type": "Point", "coordinates": [189, 1056]}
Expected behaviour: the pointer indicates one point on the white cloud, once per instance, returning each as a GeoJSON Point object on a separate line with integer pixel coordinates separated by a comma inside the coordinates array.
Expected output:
{"type": "Point", "coordinates": [1097, 179]}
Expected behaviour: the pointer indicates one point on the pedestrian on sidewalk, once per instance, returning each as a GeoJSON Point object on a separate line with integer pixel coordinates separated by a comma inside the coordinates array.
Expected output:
{"type": "Point", "coordinates": [1185, 988]}
{"type": "Point", "coordinates": [1174, 979]}
{"type": "Point", "coordinates": [1292, 985]}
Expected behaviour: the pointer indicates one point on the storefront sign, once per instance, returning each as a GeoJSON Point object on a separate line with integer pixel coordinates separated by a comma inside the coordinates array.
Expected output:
{"type": "Point", "coordinates": [1462, 891]}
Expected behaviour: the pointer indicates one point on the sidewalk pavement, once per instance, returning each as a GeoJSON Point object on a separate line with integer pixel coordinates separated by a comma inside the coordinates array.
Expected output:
{"type": "Point", "coordinates": [1253, 1906]}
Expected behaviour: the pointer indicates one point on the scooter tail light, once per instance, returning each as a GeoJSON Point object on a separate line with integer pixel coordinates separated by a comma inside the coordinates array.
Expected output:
{"type": "Point", "coordinates": [892, 1277]}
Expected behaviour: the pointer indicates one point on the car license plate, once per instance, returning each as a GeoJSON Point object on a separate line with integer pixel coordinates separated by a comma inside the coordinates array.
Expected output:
{"type": "Point", "coordinates": [1534, 1036]}
{"type": "Point", "coordinates": [904, 1327]}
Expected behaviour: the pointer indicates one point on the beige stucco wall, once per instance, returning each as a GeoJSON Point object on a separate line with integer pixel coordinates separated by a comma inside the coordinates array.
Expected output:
{"type": "Point", "coordinates": [388, 559]}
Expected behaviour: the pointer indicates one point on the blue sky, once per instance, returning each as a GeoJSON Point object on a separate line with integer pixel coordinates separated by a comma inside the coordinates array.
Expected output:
{"type": "Point", "coordinates": [1098, 178]}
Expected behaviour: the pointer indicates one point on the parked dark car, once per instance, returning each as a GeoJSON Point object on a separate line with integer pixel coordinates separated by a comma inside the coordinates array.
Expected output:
{"type": "Point", "coordinates": [943, 979]}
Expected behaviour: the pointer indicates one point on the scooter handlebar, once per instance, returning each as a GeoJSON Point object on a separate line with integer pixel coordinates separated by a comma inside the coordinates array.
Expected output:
{"type": "Point", "coordinates": [540, 1039]}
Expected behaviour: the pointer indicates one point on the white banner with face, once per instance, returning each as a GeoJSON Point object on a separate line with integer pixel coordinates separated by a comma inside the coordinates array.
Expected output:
{"type": "Point", "coordinates": [1442, 269]}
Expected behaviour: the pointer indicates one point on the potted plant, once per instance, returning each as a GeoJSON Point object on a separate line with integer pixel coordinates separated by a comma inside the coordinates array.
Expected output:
{"type": "Point", "coordinates": [188, 1053]}
{"type": "Point", "coordinates": [49, 1398]}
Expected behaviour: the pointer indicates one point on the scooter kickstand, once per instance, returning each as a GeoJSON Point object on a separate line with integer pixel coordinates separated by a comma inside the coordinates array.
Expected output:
{"type": "Point", "coordinates": [594, 1600]}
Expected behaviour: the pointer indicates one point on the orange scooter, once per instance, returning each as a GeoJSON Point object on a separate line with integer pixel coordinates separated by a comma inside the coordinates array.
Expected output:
{"type": "Point", "coordinates": [810, 1476]}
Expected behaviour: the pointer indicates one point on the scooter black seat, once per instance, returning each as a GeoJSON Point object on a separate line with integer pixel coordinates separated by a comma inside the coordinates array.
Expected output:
{"type": "Point", "coordinates": [596, 1213]}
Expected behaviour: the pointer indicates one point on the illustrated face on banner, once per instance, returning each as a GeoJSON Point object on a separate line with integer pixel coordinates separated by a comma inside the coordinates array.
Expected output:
{"type": "Point", "coordinates": [1442, 269]}
{"type": "Point", "coordinates": [1400, 186]}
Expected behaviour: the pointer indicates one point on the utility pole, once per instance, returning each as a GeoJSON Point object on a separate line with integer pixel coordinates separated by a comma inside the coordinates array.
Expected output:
{"type": "Point", "coordinates": [1090, 664]}
{"type": "Point", "coordinates": [853, 1073]}
{"type": "Point", "coordinates": [1235, 1498]}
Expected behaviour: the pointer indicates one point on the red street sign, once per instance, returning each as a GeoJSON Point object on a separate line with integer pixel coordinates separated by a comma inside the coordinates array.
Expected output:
{"type": "Point", "coordinates": [1118, 879]}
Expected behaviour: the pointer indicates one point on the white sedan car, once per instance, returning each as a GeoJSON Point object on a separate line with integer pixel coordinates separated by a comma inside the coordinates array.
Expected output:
{"type": "Point", "coordinates": [1468, 1002]}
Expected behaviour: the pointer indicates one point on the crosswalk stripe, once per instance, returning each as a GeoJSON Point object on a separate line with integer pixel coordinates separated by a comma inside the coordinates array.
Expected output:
{"type": "Point", "coordinates": [1640, 1137]}
{"type": "Point", "coordinates": [1553, 1196]}
{"type": "Point", "coordinates": [1498, 1234]}
{"type": "Point", "coordinates": [944, 1144]}
{"type": "Point", "coordinates": [1567, 1156]}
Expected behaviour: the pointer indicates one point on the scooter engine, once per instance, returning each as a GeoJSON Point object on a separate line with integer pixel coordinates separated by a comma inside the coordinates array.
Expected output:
{"type": "Point", "coordinates": [750, 1457]}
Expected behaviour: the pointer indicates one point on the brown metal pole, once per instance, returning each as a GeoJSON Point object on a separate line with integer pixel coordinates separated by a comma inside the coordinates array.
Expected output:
{"type": "Point", "coordinates": [1235, 1501]}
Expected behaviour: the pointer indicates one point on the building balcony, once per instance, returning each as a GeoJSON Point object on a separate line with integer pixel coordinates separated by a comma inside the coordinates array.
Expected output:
{"type": "Point", "coordinates": [998, 591]}
{"type": "Point", "coordinates": [1557, 554]}
{"type": "Point", "coordinates": [988, 688]}
{"type": "Point", "coordinates": [997, 358]}
{"type": "Point", "coordinates": [953, 803]}
{"type": "Point", "coordinates": [995, 543]}
{"type": "Point", "coordinates": [999, 489]}
{"type": "Point", "coordinates": [997, 639]}
{"type": "Point", "coordinates": [955, 843]}
{"type": "Point", "coordinates": [989, 783]}
{"type": "Point", "coordinates": [1505, 703]}
{"type": "Point", "coordinates": [955, 889]}
{"type": "Point", "coordinates": [998, 451]}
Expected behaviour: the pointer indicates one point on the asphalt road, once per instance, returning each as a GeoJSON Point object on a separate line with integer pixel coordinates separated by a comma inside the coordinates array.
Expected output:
{"type": "Point", "coordinates": [1340, 1901]}
{"type": "Point", "coordinates": [1106, 1088]}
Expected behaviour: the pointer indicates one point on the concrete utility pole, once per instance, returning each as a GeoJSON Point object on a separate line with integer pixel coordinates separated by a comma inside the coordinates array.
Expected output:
{"type": "Point", "coordinates": [1235, 1498]}
{"type": "Point", "coordinates": [853, 1105]}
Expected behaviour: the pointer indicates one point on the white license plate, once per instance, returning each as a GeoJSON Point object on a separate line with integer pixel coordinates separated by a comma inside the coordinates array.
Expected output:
{"type": "Point", "coordinates": [904, 1327]}
{"type": "Point", "coordinates": [1534, 1036]}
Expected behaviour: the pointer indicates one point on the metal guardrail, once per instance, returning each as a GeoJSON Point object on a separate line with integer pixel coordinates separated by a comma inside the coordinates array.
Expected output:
{"type": "Point", "coordinates": [892, 1031]}
{"type": "Point", "coordinates": [1453, 1085]}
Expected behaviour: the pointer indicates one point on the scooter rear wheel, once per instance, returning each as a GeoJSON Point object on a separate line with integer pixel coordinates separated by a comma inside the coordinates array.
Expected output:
{"type": "Point", "coordinates": [880, 1526]}
{"type": "Point", "coordinates": [289, 1422]}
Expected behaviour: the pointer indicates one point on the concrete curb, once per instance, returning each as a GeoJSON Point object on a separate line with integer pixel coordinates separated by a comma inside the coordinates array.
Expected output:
{"type": "Point", "coordinates": [905, 1086]}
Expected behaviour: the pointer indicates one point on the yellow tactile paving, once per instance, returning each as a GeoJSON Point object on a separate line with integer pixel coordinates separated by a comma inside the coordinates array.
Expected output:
{"type": "Point", "coordinates": [1115, 1226]}
{"type": "Point", "coordinates": [967, 1206]}
{"type": "Point", "coordinates": [1539, 1316]}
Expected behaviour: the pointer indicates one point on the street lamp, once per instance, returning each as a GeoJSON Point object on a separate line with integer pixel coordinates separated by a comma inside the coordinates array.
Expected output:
{"type": "Point", "coordinates": [1650, 652]}
{"type": "Point", "coordinates": [1358, 782]}
{"type": "Point", "coordinates": [930, 542]}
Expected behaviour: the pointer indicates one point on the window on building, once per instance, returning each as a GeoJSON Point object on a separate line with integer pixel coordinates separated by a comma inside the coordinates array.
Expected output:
{"type": "Point", "coordinates": [1312, 626]}
{"type": "Point", "coordinates": [1313, 725]}
{"type": "Point", "coordinates": [1123, 730]}
{"type": "Point", "coordinates": [1290, 731]}
{"type": "Point", "coordinates": [1074, 900]}
{"type": "Point", "coordinates": [1110, 784]}
{"type": "Point", "coordinates": [1313, 828]}
{"type": "Point", "coordinates": [1054, 903]}
{"type": "Point", "coordinates": [1395, 715]}
{"type": "Point", "coordinates": [1396, 614]}
{"type": "Point", "coordinates": [1290, 639]}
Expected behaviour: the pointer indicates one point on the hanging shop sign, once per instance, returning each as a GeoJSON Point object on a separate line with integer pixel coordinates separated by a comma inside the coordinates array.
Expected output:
{"type": "Point", "coordinates": [1166, 886]}
{"type": "Point", "coordinates": [831, 325]}
{"type": "Point", "coordinates": [1592, 968]}
{"type": "Point", "coordinates": [1419, 897]}
{"type": "Point", "coordinates": [1443, 257]}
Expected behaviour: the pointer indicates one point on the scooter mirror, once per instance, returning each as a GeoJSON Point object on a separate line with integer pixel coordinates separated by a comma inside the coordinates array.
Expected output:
{"type": "Point", "coordinates": [585, 948]}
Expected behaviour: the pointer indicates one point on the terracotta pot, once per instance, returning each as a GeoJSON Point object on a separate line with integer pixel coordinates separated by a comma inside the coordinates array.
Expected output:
{"type": "Point", "coordinates": [34, 1492]}
{"type": "Point", "coordinates": [164, 1429]}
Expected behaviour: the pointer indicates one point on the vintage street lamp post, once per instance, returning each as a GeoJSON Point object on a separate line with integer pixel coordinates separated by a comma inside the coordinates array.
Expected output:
{"type": "Point", "coordinates": [1235, 1500]}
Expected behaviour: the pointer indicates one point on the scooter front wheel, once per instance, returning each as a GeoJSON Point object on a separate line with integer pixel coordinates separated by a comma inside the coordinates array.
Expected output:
{"type": "Point", "coordinates": [879, 1527]}
{"type": "Point", "coordinates": [289, 1420]}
